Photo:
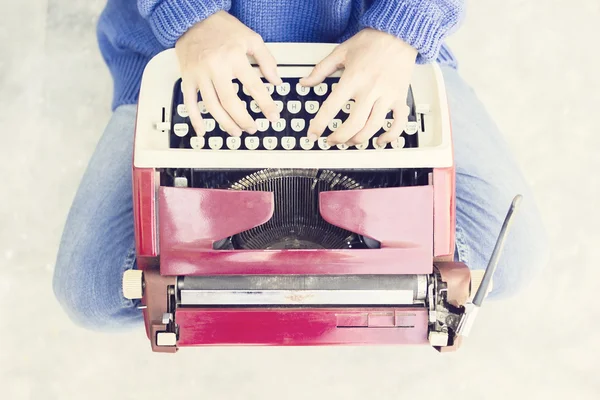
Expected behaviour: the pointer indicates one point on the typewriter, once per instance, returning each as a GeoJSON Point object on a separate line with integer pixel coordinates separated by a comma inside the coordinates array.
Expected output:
{"type": "Point", "coordinates": [271, 239]}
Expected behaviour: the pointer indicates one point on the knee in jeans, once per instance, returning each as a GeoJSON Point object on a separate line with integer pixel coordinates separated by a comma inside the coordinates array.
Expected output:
{"type": "Point", "coordinates": [90, 300]}
{"type": "Point", "coordinates": [77, 302]}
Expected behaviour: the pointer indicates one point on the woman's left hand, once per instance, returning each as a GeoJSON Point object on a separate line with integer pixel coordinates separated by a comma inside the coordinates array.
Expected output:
{"type": "Point", "coordinates": [377, 72]}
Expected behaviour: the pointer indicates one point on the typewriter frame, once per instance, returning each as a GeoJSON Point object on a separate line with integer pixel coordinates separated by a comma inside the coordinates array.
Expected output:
{"type": "Point", "coordinates": [171, 243]}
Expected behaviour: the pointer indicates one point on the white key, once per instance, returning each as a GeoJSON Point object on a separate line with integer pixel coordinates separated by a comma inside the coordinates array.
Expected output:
{"type": "Point", "coordinates": [348, 106]}
{"type": "Point", "coordinates": [215, 142]}
{"type": "Point", "coordinates": [202, 107]}
{"type": "Point", "coordinates": [376, 146]}
{"type": "Point", "coordinates": [279, 125]}
{"type": "Point", "coordinates": [197, 142]}
{"type": "Point", "coordinates": [422, 108]}
{"type": "Point", "coordinates": [270, 88]}
{"type": "Point", "coordinates": [398, 143]}
{"type": "Point", "coordinates": [302, 90]}
{"type": "Point", "coordinates": [279, 105]}
{"type": "Point", "coordinates": [312, 106]}
{"type": "Point", "coordinates": [262, 124]}
{"type": "Point", "coordinates": [323, 143]}
{"type": "Point", "coordinates": [294, 106]}
{"type": "Point", "coordinates": [269, 142]}
{"type": "Point", "coordinates": [334, 124]}
{"type": "Point", "coordinates": [245, 91]}
{"type": "Point", "coordinates": [254, 106]}
{"type": "Point", "coordinates": [233, 142]}
{"type": "Point", "coordinates": [411, 128]}
{"type": "Point", "coordinates": [362, 146]}
{"type": "Point", "coordinates": [288, 142]}
{"type": "Point", "coordinates": [182, 111]}
{"type": "Point", "coordinates": [209, 124]}
{"type": "Point", "coordinates": [342, 146]}
{"type": "Point", "coordinates": [320, 89]}
{"type": "Point", "coordinates": [387, 124]}
{"type": "Point", "coordinates": [298, 124]}
{"type": "Point", "coordinates": [252, 142]}
{"type": "Point", "coordinates": [333, 86]}
{"type": "Point", "coordinates": [221, 127]}
{"type": "Point", "coordinates": [236, 87]}
{"type": "Point", "coordinates": [283, 89]}
{"type": "Point", "coordinates": [181, 129]}
{"type": "Point", "coordinates": [306, 143]}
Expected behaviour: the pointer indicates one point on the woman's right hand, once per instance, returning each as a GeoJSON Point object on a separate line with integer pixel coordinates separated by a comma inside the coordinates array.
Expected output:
{"type": "Point", "coordinates": [211, 54]}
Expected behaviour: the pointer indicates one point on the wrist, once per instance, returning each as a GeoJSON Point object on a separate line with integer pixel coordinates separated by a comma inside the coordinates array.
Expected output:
{"type": "Point", "coordinates": [172, 18]}
{"type": "Point", "coordinates": [421, 26]}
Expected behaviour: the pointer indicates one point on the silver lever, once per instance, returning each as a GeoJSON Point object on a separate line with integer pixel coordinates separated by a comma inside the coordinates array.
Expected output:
{"type": "Point", "coordinates": [471, 309]}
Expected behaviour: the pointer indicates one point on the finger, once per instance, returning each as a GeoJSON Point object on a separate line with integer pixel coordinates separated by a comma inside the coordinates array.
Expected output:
{"type": "Point", "coordinates": [213, 105]}
{"type": "Point", "coordinates": [266, 61]}
{"type": "Point", "coordinates": [374, 123]}
{"type": "Point", "coordinates": [232, 104]}
{"type": "Point", "coordinates": [355, 122]}
{"type": "Point", "coordinates": [400, 117]}
{"type": "Point", "coordinates": [326, 67]}
{"type": "Point", "coordinates": [330, 108]}
{"type": "Point", "coordinates": [190, 100]}
{"type": "Point", "coordinates": [256, 88]}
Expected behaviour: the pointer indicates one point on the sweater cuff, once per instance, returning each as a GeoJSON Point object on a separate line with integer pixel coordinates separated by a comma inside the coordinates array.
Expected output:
{"type": "Point", "coordinates": [172, 18]}
{"type": "Point", "coordinates": [421, 24]}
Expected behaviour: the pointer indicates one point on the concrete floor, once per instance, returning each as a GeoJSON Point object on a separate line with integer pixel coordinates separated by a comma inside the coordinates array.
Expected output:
{"type": "Point", "coordinates": [536, 68]}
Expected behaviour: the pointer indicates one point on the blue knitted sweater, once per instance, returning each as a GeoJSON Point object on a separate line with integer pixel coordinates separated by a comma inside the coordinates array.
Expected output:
{"type": "Point", "coordinates": [130, 34]}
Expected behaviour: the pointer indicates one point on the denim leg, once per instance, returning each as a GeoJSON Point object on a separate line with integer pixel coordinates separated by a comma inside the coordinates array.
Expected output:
{"type": "Point", "coordinates": [487, 178]}
{"type": "Point", "coordinates": [98, 245]}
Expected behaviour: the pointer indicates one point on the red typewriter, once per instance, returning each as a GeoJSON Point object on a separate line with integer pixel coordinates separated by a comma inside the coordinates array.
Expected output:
{"type": "Point", "coordinates": [271, 239]}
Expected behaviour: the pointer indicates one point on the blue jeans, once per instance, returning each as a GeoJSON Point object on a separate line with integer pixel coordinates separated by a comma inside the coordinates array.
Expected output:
{"type": "Point", "coordinates": [98, 240]}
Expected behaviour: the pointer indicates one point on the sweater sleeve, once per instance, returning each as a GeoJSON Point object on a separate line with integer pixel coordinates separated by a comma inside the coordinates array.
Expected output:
{"type": "Point", "coordinates": [169, 19]}
{"type": "Point", "coordinates": [423, 24]}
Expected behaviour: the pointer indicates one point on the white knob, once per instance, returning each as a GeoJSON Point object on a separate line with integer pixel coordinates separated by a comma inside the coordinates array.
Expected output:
{"type": "Point", "coordinates": [133, 284]}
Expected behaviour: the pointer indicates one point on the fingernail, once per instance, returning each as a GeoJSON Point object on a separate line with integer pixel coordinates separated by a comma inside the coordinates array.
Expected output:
{"type": "Point", "coordinates": [273, 117]}
{"type": "Point", "coordinates": [312, 137]}
{"type": "Point", "coordinates": [251, 131]}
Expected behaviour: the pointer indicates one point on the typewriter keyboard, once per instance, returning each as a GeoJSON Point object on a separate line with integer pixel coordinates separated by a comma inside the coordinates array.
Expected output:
{"type": "Point", "coordinates": [297, 106]}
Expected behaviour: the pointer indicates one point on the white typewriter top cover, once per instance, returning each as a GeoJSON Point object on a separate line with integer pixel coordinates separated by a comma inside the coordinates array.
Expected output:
{"type": "Point", "coordinates": [152, 148]}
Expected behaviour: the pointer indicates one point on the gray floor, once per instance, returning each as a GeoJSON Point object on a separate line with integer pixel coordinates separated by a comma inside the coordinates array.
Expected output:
{"type": "Point", "coordinates": [536, 68]}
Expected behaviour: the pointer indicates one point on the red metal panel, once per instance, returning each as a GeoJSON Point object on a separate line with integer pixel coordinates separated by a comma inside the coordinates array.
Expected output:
{"type": "Point", "coordinates": [193, 218]}
{"type": "Point", "coordinates": [185, 260]}
{"type": "Point", "coordinates": [444, 211]}
{"type": "Point", "coordinates": [298, 327]}
{"type": "Point", "coordinates": [144, 211]}
{"type": "Point", "coordinates": [397, 217]}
